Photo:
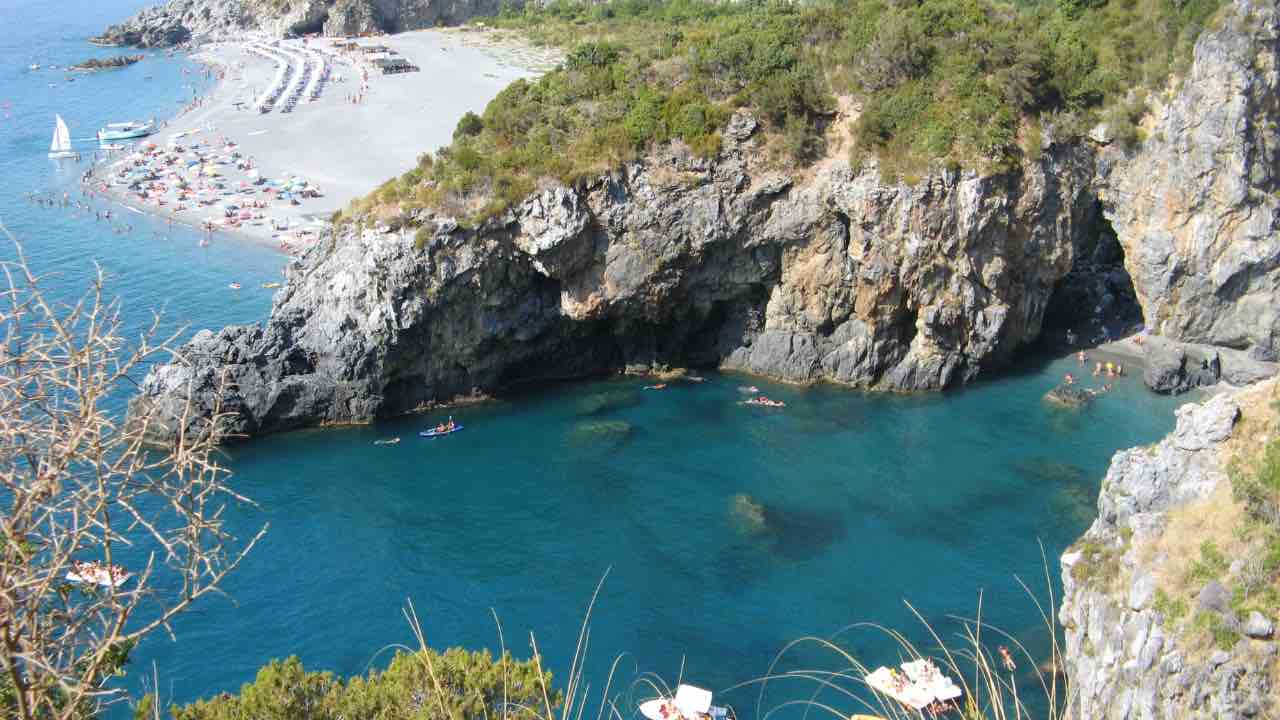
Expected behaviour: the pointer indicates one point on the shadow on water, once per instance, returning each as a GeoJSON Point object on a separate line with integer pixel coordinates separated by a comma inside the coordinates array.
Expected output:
{"type": "Point", "coordinates": [606, 402]}
{"type": "Point", "coordinates": [593, 440]}
{"type": "Point", "coordinates": [1073, 493]}
{"type": "Point", "coordinates": [773, 536]}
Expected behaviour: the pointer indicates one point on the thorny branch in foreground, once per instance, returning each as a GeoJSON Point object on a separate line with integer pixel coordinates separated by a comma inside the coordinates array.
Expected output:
{"type": "Point", "coordinates": [81, 483]}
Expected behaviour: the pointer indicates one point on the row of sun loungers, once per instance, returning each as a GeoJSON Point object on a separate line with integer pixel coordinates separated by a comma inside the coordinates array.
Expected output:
{"type": "Point", "coordinates": [284, 68]}
{"type": "Point", "coordinates": [300, 72]}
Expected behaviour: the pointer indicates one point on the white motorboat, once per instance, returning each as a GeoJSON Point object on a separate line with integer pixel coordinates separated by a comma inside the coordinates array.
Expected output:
{"type": "Point", "coordinates": [126, 130]}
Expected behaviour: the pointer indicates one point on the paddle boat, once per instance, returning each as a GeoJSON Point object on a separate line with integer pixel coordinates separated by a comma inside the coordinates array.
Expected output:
{"type": "Point", "coordinates": [94, 573]}
{"type": "Point", "coordinates": [690, 703]}
{"type": "Point", "coordinates": [126, 130]}
{"type": "Point", "coordinates": [920, 686]}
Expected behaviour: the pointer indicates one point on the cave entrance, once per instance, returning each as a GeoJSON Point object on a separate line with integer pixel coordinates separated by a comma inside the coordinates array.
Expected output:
{"type": "Point", "coordinates": [309, 26]}
{"type": "Point", "coordinates": [1095, 300]}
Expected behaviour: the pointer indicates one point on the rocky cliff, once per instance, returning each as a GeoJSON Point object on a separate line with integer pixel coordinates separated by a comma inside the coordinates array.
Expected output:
{"type": "Point", "coordinates": [1151, 629]}
{"type": "Point", "coordinates": [672, 261]}
{"type": "Point", "coordinates": [181, 20]}
{"type": "Point", "coordinates": [1197, 206]}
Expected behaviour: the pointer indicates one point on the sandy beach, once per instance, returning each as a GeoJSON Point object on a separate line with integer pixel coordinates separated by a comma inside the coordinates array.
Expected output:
{"type": "Point", "coordinates": [337, 148]}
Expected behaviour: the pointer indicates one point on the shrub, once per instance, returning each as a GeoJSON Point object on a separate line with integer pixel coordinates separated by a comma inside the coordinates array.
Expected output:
{"type": "Point", "coordinates": [1211, 564]}
{"type": "Point", "coordinates": [469, 126]}
{"type": "Point", "coordinates": [800, 141]}
{"type": "Point", "coordinates": [1215, 629]}
{"type": "Point", "coordinates": [426, 685]}
{"type": "Point", "coordinates": [940, 82]}
{"type": "Point", "coordinates": [1173, 609]}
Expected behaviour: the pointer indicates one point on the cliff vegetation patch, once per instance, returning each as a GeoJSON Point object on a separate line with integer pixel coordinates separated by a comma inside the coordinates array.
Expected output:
{"type": "Point", "coordinates": [972, 83]}
{"type": "Point", "coordinates": [1229, 543]}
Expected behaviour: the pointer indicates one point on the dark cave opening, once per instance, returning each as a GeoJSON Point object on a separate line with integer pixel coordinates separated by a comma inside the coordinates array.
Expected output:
{"type": "Point", "coordinates": [309, 27]}
{"type": "Point", "coordinates": [1095, 301]}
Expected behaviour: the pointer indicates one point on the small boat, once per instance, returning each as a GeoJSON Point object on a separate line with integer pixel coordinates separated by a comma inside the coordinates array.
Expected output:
{"type": "Point", "coordinates": [234, 286]}
{"type": "Point", "coordinates": [34, 66]}
{"type": "Point", "coordinates": [918, 686]}
{"type": "Point", "coordinates": [270, 285]}
{"type": "Point", "coordinates": [689, 703]}
{"type": "Point", "coordinates": [126, 130]}
{"type": "Point", "coordinates": [437, 433]}
{"type": "Point", "coordinates": [61, 146]}
{"type": "Point", "coordinates": [750, 389]}
{"type": "Point", "coordinates": [93, 573]}
{"type": "Point", "coordinates": [111, 147]}
{"type": "Point", "coordinates": [763, 401]}
{"type": "Point", "coordinates": [387, 441]}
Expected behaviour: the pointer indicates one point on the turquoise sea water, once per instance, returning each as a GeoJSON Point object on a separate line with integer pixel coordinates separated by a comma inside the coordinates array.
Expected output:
{"type": "Point", "coordinates": [868, 500]}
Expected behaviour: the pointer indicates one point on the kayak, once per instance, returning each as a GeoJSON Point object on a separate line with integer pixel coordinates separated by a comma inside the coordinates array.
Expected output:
{"type": "Point", "coordinates": [437, 433]}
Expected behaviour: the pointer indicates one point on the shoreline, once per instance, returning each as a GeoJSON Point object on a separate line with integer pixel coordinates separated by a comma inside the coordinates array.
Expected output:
{"type": "Point", "coordinates": [274, 178]}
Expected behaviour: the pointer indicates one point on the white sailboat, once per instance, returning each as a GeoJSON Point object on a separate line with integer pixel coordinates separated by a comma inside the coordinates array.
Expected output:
{"type": "Point", "coordinates": [61, 145]}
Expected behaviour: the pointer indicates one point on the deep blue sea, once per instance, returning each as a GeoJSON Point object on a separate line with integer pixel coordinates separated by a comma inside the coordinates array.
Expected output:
{"type": "Point", "coordinates": [868, 500]}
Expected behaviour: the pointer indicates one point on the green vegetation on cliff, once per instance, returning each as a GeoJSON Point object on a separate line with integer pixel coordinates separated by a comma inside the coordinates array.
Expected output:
{"type": "Point", "coordinates": [962, 82]}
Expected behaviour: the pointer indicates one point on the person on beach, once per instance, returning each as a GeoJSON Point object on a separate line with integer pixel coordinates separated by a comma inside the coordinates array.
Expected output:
{"type": "Point", "coordinates": [1097, 369]}
{"type": "Point", "coordinates": [1081, 358]}
{"type": "Point", "coordinates": [1068, 379]}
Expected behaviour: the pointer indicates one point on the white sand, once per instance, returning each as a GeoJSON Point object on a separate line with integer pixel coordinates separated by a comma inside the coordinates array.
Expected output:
{"type": "Point", "coordinates": [345, 149]}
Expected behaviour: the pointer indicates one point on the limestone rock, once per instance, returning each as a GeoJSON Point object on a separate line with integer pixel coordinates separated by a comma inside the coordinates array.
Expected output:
{"type": "Point", "coordinates": [1125, 660]}
{"type": "Point", "coordinates": [674, 261]}
{"type": "Point", "coordinates": [1069, 396]}
{"type": "Point", "coordinates": [741, 125]}
{"type": "Point", "coordinates": [1258, 626]}
{"type": "Point", "coordinates": [181, 20]}
{"type": "Point", "coordinates": [1141, 591]}
{"type": "Point", "coordinates": [1174, 368]}
{"type": "Point", "coordinates": [1194, 206]}
{"type": "Point", "coordinates": [1214, 597]}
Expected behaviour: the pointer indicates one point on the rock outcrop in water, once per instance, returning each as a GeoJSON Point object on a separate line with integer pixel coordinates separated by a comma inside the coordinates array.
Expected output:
{"type": "Point", "coordinates": [111, 63]}
{"type": "Point", "coordinates": [1131, 650]}
{"type": "Point", "coordinates": [674, 261]}
{"type": "Point", "coordinates": [180, 20]}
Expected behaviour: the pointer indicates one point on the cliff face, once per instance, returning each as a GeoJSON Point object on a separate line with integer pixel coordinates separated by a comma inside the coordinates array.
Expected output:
{"type": "Point", "coordinates": [673, 261]}
{"type": "Point", "coordinates": [1134, 649]}
{"type": "Point", "coordinates": [826, 274]}
{"type": "Point", "coordinates": [1197, 206]}
{"type": "Point", "coordinates": [180, 20]}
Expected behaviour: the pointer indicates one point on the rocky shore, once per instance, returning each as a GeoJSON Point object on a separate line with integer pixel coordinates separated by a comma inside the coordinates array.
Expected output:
{"type": "Point", "coordinates": [674, 261]}
{"type": "Point", "coordinates": [180, 21]}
